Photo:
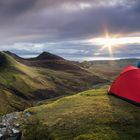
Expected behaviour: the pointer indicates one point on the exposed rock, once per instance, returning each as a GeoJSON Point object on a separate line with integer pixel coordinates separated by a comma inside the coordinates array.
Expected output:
{"type": "Point", "coordinates": [9, 127]}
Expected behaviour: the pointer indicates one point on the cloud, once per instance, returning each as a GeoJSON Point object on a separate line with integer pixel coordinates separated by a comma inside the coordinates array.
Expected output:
{"type": "Point", "coordinates": [59, 22]}
{"type": "Point", "coordinates": [15, 7]}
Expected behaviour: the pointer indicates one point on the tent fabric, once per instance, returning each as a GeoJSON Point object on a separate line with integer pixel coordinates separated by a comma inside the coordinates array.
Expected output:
{"type": "Point", "coordinates": [128, 68]}
{"type": "Point", "coordinates": [127, 84]}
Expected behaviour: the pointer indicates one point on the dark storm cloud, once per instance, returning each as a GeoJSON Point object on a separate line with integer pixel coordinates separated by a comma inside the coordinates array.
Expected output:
{"type": "Point", "coordinates": [42, 20]}
{"type": "Point", "coordinates": [15, 7]}
{"type": "Point", "coordinates": [56, 21]}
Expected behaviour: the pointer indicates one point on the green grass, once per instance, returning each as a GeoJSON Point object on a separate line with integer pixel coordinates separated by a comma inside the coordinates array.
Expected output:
{"type": "Point", "coordinates": [18, 82]}
{"type": "Point", "coordinates": [89, 115]}
{"type": "Point", "coordinates": [23, 86]}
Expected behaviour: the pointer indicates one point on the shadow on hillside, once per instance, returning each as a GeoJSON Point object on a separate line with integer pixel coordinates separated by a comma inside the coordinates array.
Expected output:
{"type": "Point", "coordinates": [36, 131]}
{"type": "Point", "coordinates": [125, 120]}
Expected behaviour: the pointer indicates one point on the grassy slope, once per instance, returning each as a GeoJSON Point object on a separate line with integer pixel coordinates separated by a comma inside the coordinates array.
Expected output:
{"type": "Point", "coordinates": [22, 85]}
{"type": "Point", "coordinates": [16, 84]}
{"type": "Point", "coordinates": [108, 69]}
{"type": "Point", "coordinates": [89, 115]}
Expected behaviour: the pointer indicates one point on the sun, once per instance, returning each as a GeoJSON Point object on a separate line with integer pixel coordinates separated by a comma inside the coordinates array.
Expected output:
{"type": "Point", "coordinates": [108, 42]}
{"type": "Point", "coordinates": [112, 41]}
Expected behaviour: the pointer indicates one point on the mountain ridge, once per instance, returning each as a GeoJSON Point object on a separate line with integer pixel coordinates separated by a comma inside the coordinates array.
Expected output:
{"type": "Point", "coordinates": [24, 83]}
{"type": "Point", "coordinates": [48, 56]}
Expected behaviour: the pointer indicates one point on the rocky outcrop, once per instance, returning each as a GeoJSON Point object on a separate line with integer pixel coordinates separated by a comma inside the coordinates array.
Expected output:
{"type": "Point", "coordinates": [9, 127]}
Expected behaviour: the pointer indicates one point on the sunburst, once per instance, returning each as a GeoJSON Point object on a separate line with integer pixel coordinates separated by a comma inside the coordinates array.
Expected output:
{"type": "Point", "coordinates": [107, 42]}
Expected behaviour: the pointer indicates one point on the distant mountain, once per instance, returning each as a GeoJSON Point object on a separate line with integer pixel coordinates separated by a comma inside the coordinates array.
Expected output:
{"type": "Point", "coordinates": [48, 60]}
{"type": "Point", "coordinates": [43, 56]}
{"type": "Point", "coordinates": [24, 82]}
{"type": "Point", "coordinates": [13, 55]}
{"type": "Point", "coordinates": [48, 56]}
{"type": "Point", "coordinates": [108, 69]}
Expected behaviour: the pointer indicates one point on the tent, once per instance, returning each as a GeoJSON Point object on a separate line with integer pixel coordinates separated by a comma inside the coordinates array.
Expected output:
{"type": "Point", "coordinates": [127, 85]}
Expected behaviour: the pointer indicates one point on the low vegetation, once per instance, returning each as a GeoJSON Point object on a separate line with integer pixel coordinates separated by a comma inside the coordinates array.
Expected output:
{"type": "Point", "coordinates": [108, 69]}
{"type": "Point", "coordinates": [89, 115]}
{"type": "Point", "coordinates": [49, 82]}
{"type": "Point", "coordinates": [25, 82]}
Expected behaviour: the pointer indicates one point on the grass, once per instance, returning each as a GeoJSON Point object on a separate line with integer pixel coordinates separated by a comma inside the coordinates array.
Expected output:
{"type": "Point", "coordinates": [17, 84]}
{"type": "Point", "coordinates": [108, 69]}
{"type": "Point", "coordinates": [89, 115]}
{"type": "Point", "coordinates": [23, 86]}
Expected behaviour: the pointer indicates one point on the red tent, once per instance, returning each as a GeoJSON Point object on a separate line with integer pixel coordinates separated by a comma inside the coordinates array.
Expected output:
{"type": "Point", "coordinates": [127, 85]}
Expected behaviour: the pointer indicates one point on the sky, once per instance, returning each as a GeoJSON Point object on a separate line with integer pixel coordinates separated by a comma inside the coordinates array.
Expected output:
{"type": "Point", "coordinates": [74, 29]}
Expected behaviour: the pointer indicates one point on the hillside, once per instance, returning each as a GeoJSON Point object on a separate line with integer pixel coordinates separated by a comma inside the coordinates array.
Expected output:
{"type": "Point", "coordinates": [108, 69]}
{"type": "Point", "coordinates": [24, 82]}
{"type": "Point", "coordinates": [89, 115]}
{"type": "Point", "coordinates": [48, 56]}
{"type": "Point", "coordinates": [47, 82]}
{"type": "Point", "coordinates": [48, 60]}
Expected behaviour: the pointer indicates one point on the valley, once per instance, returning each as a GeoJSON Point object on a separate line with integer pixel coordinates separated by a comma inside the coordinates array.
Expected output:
{"type": "Point", "coordinates": [24, 82]}
{"type": "Point", "coordinates": [55, 99]}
